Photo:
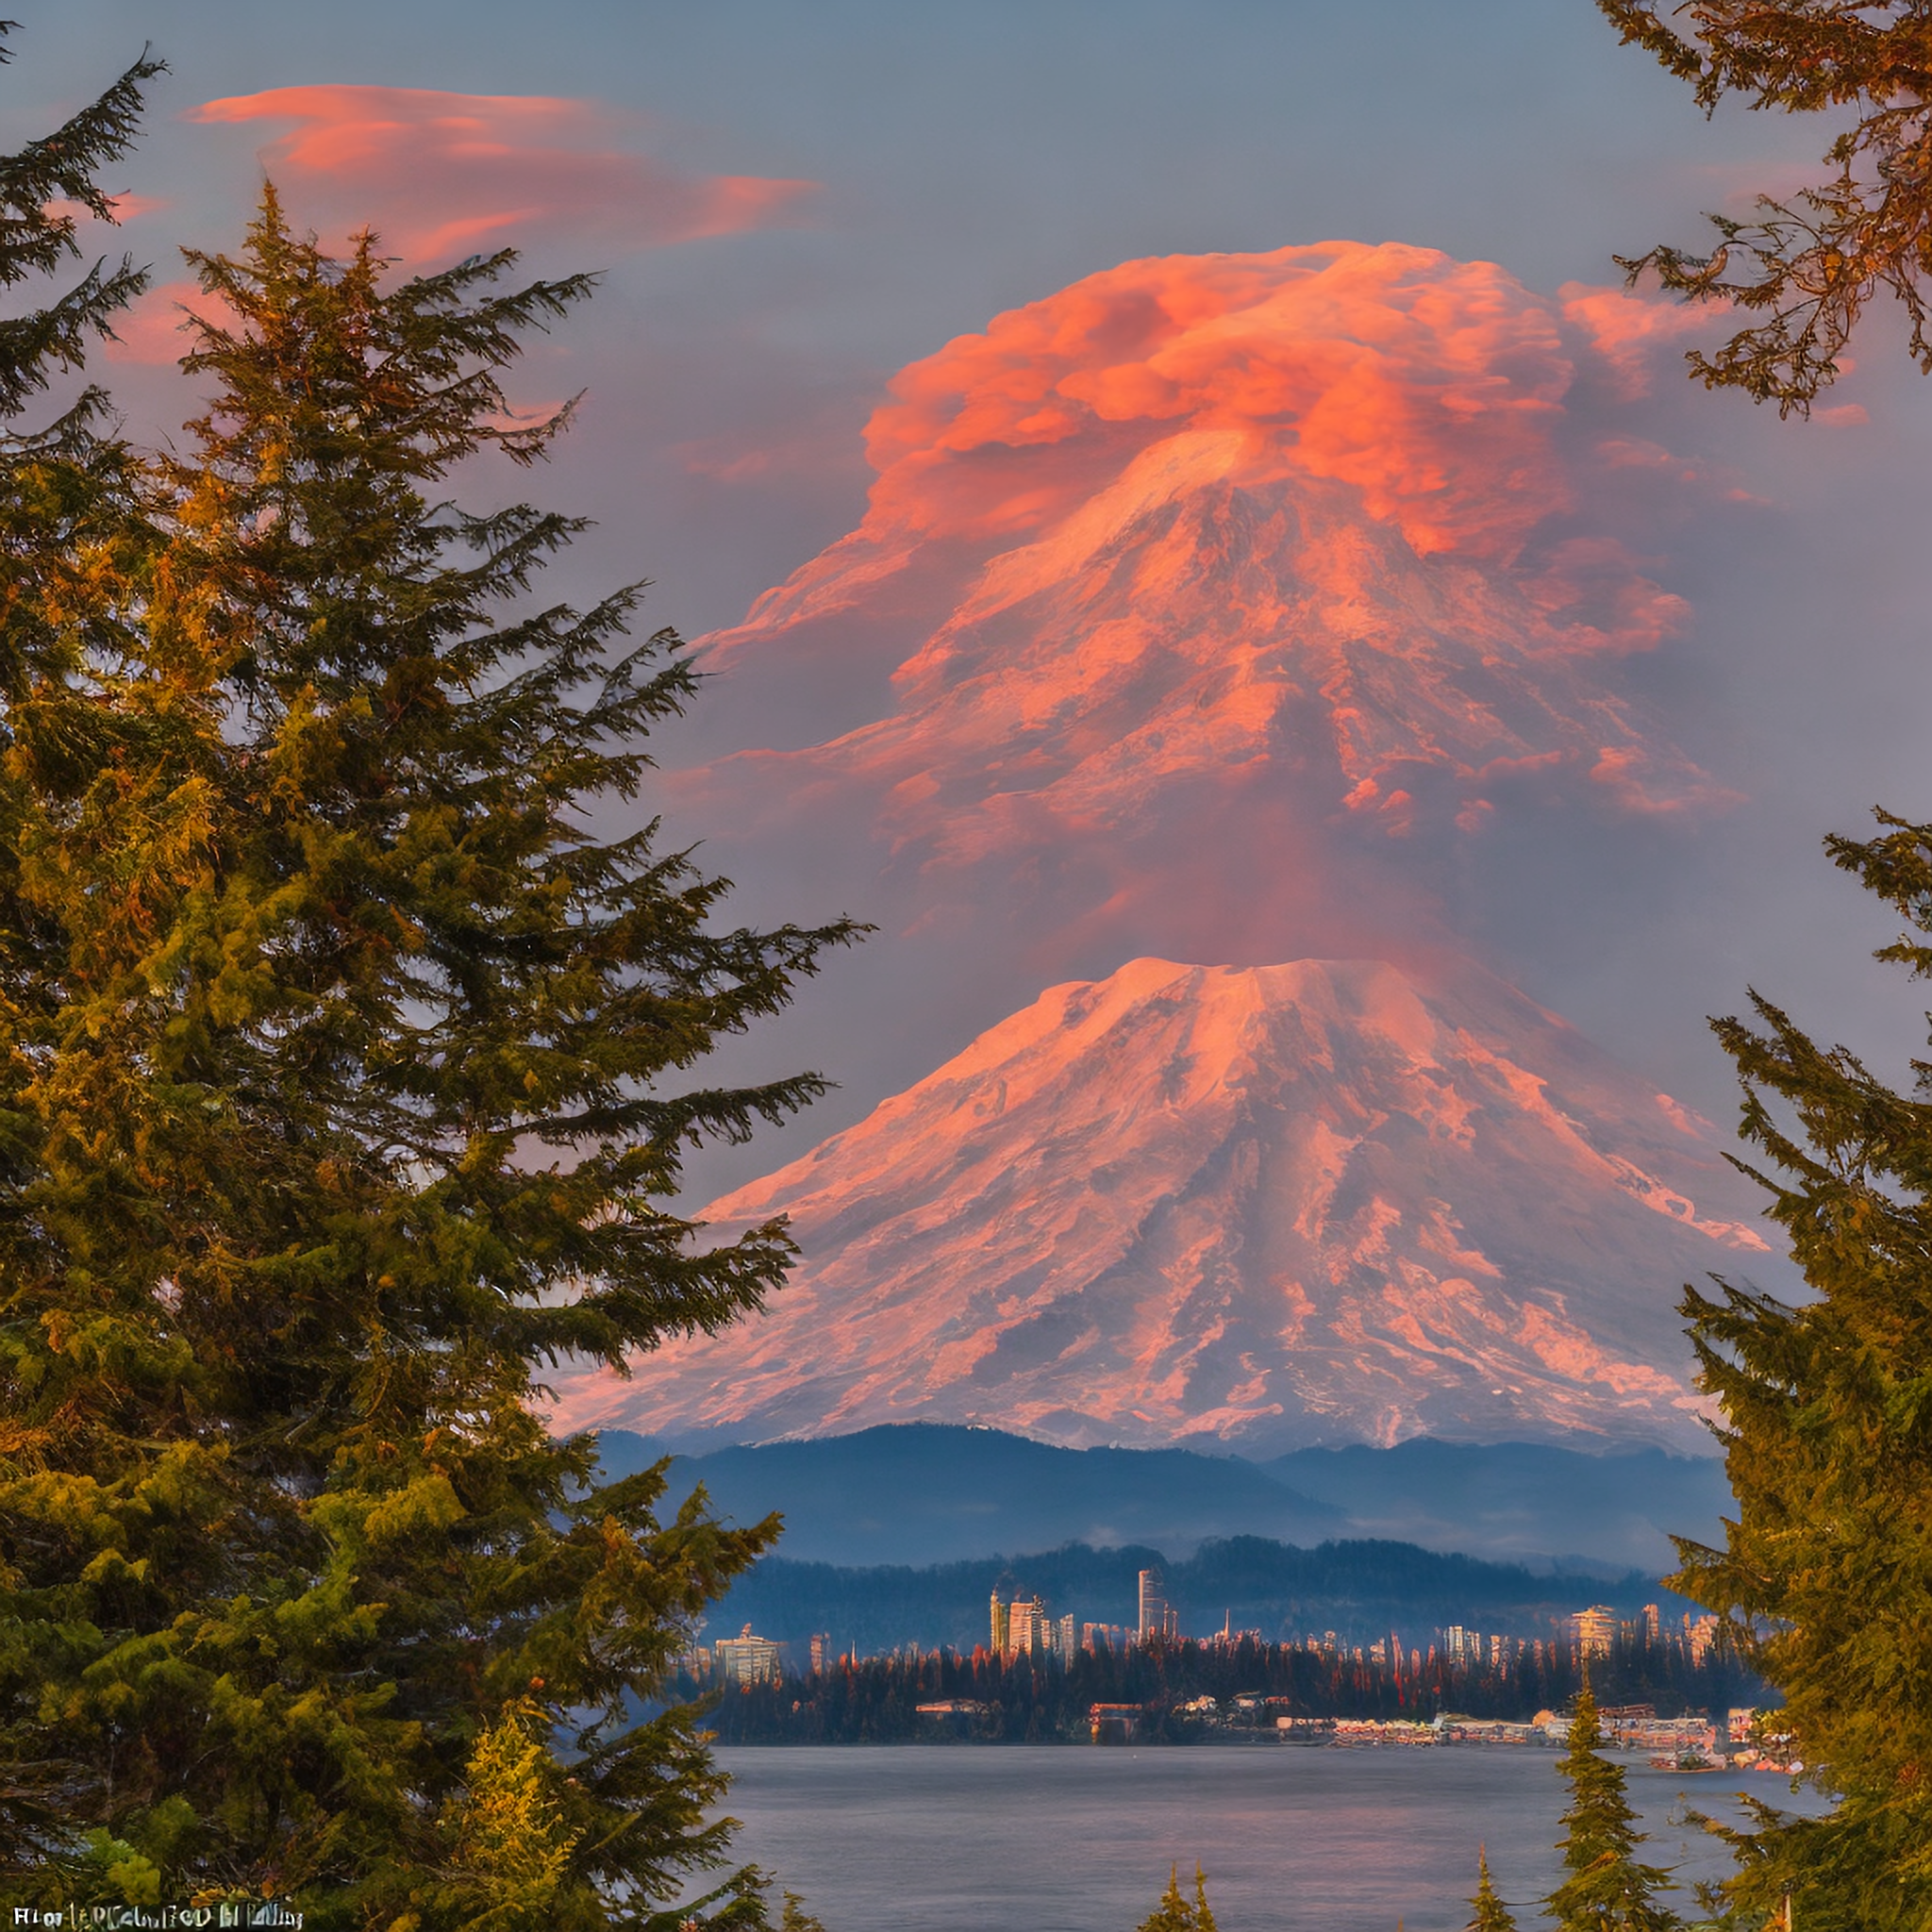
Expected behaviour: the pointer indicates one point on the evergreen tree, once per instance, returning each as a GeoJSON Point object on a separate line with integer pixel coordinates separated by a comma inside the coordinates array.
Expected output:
{"type": "Point", "coordinates": [1805, 271]}
{"type": "Point", "coordinates": [1825, 1577]}
{"type": "Point", "coordinates": [1606, 1889]}
{"type": "Point", "coordinates": [1490, 1913]}
{"type": "Point", "coordinates": [1203, 1918]}
{"type": "Point", "coordinates": [354, 1108]}
{"type": "Point", "coordinates": [1173, 1913]}
{"type": "Point", "coordinates": [71, 520]}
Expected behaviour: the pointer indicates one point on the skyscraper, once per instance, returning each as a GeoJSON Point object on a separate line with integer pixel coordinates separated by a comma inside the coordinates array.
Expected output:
{"type": "Point", "coordinates": [1026, 1626]}
{"type": "Point", "coordinates": [747, 1659]}
{"type": "Point", "coordinates": [1154, 1614]}
{"type": "Point", "coordinates": [1001, 1627]}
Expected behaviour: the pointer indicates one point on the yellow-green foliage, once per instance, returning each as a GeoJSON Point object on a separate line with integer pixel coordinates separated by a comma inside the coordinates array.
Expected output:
{"type": "Point", "coordinates": [1177, 1913]}
{"type": "Point", "coordinates": [344, 1075]}
{"type": "Point", "coordinates": [1488, 1913]}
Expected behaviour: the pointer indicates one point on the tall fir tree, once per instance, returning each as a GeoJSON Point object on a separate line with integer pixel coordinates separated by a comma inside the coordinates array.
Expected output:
{"type": "Point", "coordinates": [358, 1105]}
{"type": "Point", "coordinates": [1825, 1577]}
{"type": "Point", "coordinates": [1204, 1916]}
{"type": "Point", "coordinates": [73, 527]}
{"type": "Point", "coordinates": [1606, 1889]}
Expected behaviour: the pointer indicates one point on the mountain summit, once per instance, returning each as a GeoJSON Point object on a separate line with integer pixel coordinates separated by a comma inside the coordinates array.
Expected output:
{"type": "Point", "coordinates": [1251, 608]}
{"type": "Point", "coordinates": [1276, 1207]}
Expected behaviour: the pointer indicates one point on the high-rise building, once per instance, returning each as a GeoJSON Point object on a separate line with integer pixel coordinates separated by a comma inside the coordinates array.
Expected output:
{"type": "Point", "coordinates": [1154, 1611]}
{"type": "Point", "coordinates": [1653, 1623]}
{"type": "Point", "coordinates": [1066, 1639]}
{"type": "Point", "coordinates": [820, 1652]}
{"type": "Point", "coordinates": [1001, 1625]}
{"type": "Point", "coordinates": [1026, 1626]}
{"type": "Point", "coordinates": [747, 1659]}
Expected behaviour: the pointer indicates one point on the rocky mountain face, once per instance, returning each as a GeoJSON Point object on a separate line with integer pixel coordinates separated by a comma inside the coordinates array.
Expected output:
{"type": "Point", "coordinates": [1269, 1208]}
{"type": "Point", "coordinates": [1218, 609]}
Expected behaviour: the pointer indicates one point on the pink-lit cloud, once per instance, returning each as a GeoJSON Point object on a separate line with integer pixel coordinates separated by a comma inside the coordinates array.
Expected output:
{"type": "Point", "coordinates": [447, 175]}
{"type": "Point", "coordinates": [153, 330]}
{"type": "Point", "coordinates": [1441, 399]}
{"type": "Point", "coordinates": [127, 207]}
{"type": "Point", "coordinates": [1429, 384]}
{"type": "Point", "coordinates": [1635, 334]}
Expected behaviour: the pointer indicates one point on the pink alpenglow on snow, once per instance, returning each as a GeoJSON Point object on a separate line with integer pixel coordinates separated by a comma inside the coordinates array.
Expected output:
{"type": "Point", "coordinates": [1243, 608]}
{"type": "Point", "coordinates": [1313, 1203]}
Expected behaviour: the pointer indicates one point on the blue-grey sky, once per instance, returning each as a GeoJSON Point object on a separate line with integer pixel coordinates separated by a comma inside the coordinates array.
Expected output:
{"type": "Point", "coordinates": [968, 158]}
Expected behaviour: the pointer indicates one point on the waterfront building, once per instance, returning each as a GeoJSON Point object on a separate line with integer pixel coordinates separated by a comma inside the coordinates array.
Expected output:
{"type": "Point", "coordinates": [1699, 1637]}
{"type": "Point", "coordinates": [1115, 1724]}
{"type": "Point", "coordinates": [955, 1716]}
{"type": "Point", "coordinates": [821, 1657]}
{"type": "Point", "coordinates": [747, 1659]}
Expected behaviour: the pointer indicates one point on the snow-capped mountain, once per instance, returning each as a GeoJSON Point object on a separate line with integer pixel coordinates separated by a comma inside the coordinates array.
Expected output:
{"type": "Point", "coordinates": [1278, 1206]}
{"type": "Point", "coordinates": [1220, 609]}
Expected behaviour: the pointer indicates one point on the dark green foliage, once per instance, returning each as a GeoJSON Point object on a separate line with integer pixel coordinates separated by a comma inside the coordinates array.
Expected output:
{"type": "Point", "coordinates": [44, 188]}
{"type": "Point", "coordinates": [1487, 1912]}
{"type": "Point", "coordinates": [1805, 269]}
{"type": "Point", "coordinates": [343, 1096]}
{"type": "Point", "coordinates": [1606, 1889]}
{"type": "Point", "coordinates": [1826, 1573]}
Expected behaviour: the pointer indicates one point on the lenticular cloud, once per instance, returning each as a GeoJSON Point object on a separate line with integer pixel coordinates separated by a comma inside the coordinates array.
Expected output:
{"type": "Point", "coordinates": [1204, 570]}
{"type": "Point", "coordinates": [1433, 394]}
{"type": "Point", "coordinates": [1428, 385]}
{"type": "Point", "coordinates": [449, 173]}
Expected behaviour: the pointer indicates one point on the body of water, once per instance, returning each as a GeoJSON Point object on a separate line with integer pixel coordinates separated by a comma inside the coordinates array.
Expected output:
{"type": "Point", "coordinates": [968, 1839]}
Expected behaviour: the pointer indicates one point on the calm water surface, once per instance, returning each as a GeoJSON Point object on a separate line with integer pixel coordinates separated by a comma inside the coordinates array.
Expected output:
{"type": "Point", "coordinates": [908, 1839]}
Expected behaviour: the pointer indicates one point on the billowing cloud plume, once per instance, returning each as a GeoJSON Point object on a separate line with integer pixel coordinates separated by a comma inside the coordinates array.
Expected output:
{"type": "Point", "coordinates": [1425, 383]}
{"type": "Point", "coordinates": [1225, 607]}
{"type": "Point", "coordinates": [447, 175]}
{"type": "Point", "coordinates": [1436, 395]}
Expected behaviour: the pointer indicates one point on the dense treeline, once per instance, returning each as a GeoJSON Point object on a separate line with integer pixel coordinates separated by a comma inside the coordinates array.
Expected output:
{"type": "Point", "coordinates": [346, 1071]}
{"type": "Point", "coordinates": [1359, 1589]}
{"type": "Point", "coordinates": [875, 1700]}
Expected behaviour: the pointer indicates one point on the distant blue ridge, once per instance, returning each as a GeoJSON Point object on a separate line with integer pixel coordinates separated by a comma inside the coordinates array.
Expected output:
{"type": "Point", "coordinates": [924, 1493]}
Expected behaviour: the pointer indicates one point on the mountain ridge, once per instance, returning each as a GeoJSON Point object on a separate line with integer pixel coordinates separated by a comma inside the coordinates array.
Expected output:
{"type": "Point", "coordinates": [1268, 1207]}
